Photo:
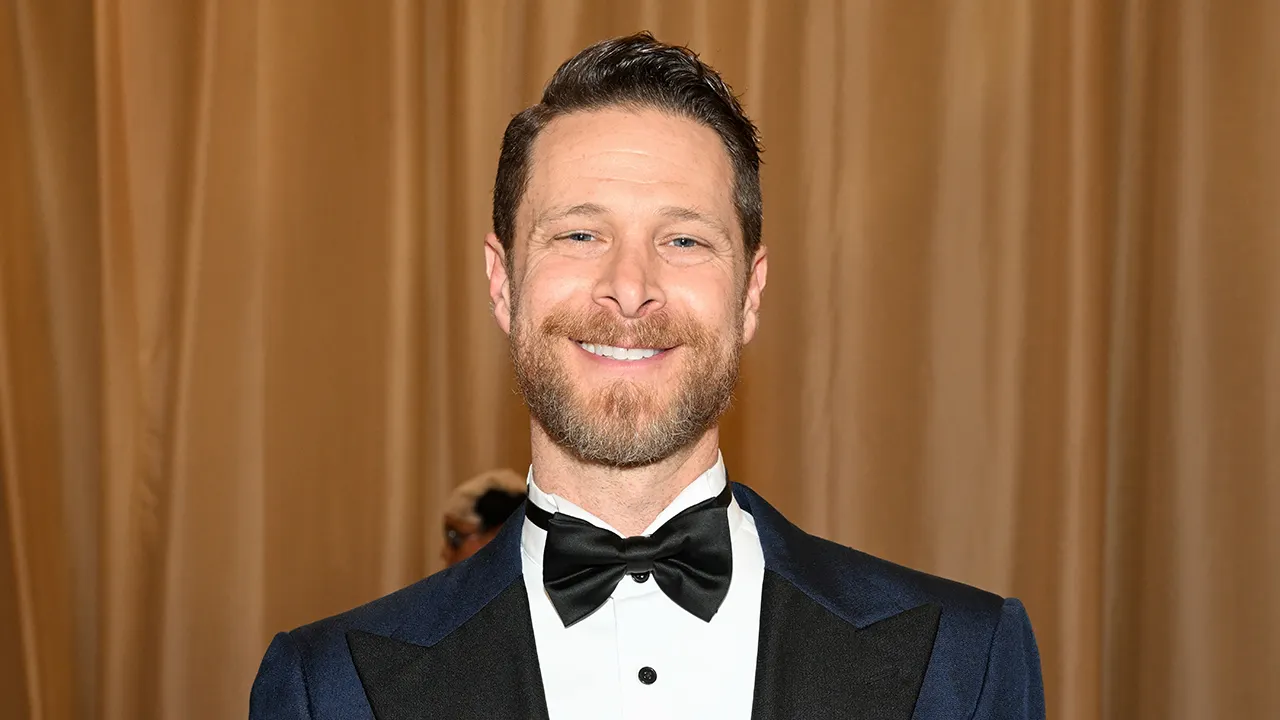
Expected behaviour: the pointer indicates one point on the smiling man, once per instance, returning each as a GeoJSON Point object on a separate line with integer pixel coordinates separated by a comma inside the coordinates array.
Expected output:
{"type": "Point", "coordinates": [626, 266]}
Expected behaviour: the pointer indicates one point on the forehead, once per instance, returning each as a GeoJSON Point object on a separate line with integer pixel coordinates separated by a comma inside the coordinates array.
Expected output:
{"type": "Point", "coordinates": [629, 161]}
{"type": "Point", "coordinates": [458, 523]}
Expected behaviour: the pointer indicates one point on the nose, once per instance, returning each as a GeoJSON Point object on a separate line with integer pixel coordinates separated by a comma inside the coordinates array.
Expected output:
{"type": "Point", "coordinates": [628, 283]}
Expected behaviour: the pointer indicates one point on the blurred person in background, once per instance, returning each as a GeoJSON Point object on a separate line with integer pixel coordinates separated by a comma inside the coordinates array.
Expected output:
{"type": "Point", "coordinates": [627, 268]}
{"type": "Point", "coordinates": [476, 510]}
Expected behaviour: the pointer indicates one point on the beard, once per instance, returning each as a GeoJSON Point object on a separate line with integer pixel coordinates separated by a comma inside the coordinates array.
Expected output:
{"type": "Point", "coordinates": [625, 423]}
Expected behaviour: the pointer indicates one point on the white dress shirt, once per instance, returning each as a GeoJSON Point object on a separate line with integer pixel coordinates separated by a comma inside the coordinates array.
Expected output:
{"type": "Point", "coordinates": [593, 670]}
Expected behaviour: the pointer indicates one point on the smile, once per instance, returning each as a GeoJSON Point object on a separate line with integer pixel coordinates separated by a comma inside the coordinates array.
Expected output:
{"type": "Point", "coordinates": [618, 353]}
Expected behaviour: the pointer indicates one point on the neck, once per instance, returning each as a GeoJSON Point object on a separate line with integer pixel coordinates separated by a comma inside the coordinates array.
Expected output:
{"type": "Point", "coordinates": [627, 498]}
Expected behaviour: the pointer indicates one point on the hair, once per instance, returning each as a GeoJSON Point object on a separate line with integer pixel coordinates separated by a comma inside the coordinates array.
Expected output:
{"type": "Point", "coordinates": [495, 506]}
{"type": "Point", "coordinates": [466, 500]}
{"type": "Point", "coordinates": [634, 72]}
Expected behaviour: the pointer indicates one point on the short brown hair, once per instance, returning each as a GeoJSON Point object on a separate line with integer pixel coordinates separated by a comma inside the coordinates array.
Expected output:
{"type": "Point", "coordinates": [636, 71]}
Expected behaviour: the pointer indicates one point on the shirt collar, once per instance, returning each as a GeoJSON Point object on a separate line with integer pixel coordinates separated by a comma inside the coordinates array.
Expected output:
{"type": "Point", "coordinates": [704, 487]}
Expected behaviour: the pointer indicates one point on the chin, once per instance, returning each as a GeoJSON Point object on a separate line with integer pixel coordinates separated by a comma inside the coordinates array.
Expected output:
{"type": "Point", "coordinates": [627, 398]}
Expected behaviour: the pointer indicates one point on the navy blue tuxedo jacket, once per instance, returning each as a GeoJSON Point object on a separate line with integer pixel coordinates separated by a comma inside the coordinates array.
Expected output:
{"type": "Point", "coordinates": [842, 635]}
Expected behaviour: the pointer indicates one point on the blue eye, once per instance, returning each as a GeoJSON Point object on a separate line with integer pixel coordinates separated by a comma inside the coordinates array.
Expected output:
{"type": "Point", "coordinates": [685, 242]}
{"type": "Point", "coordinates": [580, 237]}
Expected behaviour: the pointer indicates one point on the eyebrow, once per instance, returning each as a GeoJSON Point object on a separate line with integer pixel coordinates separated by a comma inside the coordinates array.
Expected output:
{"type": "Point", "coordinates": [552, 215]}
{"type": "Point", "coordinates": [676, 212]}
{"type": "Point", "coordinates": [593, 210]}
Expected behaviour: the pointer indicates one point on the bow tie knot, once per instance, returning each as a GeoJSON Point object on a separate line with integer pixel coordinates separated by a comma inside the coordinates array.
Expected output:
{"type": "Point", "coordinates": [689, 557]}
{"type": "Point", "coordinates": [638, 554]}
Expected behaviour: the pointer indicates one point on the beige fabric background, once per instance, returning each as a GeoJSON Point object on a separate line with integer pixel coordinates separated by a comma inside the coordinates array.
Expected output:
{"type": "Point", "coordinates": [1022, 327]}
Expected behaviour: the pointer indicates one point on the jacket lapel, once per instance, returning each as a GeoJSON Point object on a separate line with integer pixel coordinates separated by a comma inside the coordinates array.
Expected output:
{"type": "Point", "coordinates": [831, 645]}
{"type": "Point", "coordinates": [812, 664]}
{"type": "Point", "coordinates": [468, 652]}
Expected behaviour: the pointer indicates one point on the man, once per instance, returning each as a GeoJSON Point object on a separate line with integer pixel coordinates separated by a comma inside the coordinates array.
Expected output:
{"type": "Point", "coordinates": [476, 511]}
{"type": "Point", "coordinates": [627, 267]}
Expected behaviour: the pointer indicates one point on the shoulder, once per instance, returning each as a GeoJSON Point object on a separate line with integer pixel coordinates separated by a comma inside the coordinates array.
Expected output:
{"type": "Point", "coordinates": [311, 665]}
{"type": "Point", "coordinates": [888, 588]}
{"type": "Point", "coordinates": [428, 610]}
{"type": "Point", "coordinates": [307, 672]}
{"type": "Point", "coordinates": [908, 587]}
{"type": "Point", "coordinates": [983, 657]}
{"type": "Point", "coordinates": [433, 607]}
{"type": "Point", "coordinates": [383, 616]}
{"type": "Point", "coordinates": [858, 586]}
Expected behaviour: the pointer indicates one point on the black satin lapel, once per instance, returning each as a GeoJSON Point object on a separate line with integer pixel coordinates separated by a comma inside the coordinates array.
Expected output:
{"type": "Point", "coordinates": [814, 665]}
{"type": "Point", "coordinates": [487, 668]}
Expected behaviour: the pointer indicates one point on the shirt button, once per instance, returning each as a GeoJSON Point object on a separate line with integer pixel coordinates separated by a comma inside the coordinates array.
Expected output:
{"type": "Point", "coordinates": [648, 675]}
{"type": "Point", "coordinates": [640, 577]}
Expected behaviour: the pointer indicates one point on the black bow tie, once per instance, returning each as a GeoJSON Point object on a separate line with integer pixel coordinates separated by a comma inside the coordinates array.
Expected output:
{"type": "Point", "coordinates": [689, 556]}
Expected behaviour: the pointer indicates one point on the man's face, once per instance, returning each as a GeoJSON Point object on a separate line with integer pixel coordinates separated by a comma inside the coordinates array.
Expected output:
{"type": "Point", "coordinates": [463, 539]}
{"type": "Point", "coordinates": [630, 296]}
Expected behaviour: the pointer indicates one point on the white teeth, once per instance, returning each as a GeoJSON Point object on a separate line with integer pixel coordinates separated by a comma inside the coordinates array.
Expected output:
{"type": "Point", "coordinates": [618, 353]}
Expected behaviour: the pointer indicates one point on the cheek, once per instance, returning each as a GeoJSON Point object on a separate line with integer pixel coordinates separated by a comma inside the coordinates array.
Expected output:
{"type": "Point", "coordinates": [549, 285]}
{"type": "Point", "coordinates": [714, 300]}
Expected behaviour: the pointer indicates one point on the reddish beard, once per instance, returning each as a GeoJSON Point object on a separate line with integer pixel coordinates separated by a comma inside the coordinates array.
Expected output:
{"type": "Point", "coordinates": [625, 423]}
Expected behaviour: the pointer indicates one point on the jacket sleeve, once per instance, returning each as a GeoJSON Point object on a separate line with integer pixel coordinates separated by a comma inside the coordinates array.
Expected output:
{"type": "Point", "coordinates": [1013, 688]}
{"type": "Point", "coordinates": [280, 690]}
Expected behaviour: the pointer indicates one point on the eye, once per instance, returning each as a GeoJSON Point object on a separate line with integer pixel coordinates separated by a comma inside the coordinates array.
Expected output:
{"type": "Point", "coordinates": [686, 243]}
{"type": "Point", "coordinates": [579, 237]}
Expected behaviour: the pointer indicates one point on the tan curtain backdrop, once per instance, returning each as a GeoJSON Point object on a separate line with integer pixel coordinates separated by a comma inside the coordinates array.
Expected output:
{"type": "Point", "coordinates": [1022, 327]}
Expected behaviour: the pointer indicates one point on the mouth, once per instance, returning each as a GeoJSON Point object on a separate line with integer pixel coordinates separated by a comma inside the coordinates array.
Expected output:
{"type": "Point", "coordinates": [621, 353]}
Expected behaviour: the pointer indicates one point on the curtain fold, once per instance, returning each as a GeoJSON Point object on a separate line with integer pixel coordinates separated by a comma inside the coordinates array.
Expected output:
{"type": "Point", "coordinates": [1022, 327]}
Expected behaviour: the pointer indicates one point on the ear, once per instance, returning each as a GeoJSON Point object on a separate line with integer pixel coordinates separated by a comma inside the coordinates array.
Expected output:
{"type": "Point", "coordinates": [755, 288]}
{"type": "Point", "coordinates": [495, 262]}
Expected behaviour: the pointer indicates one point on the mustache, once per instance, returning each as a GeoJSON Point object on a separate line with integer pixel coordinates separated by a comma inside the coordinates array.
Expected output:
{"type": "Point", "coordinates": [660, 329]}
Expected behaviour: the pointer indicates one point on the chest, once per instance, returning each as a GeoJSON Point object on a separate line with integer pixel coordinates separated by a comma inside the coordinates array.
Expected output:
{"type": "Point", "coordinates": [808, 664]}
{"type": "Point", "coordinates": [641, 656]}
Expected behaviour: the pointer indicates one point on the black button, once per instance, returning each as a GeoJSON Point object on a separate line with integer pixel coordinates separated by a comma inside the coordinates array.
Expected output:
{"type": "Point", "coordinates": [648, 675]}
{"type": "Point", "coordinates": [640, 577]}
